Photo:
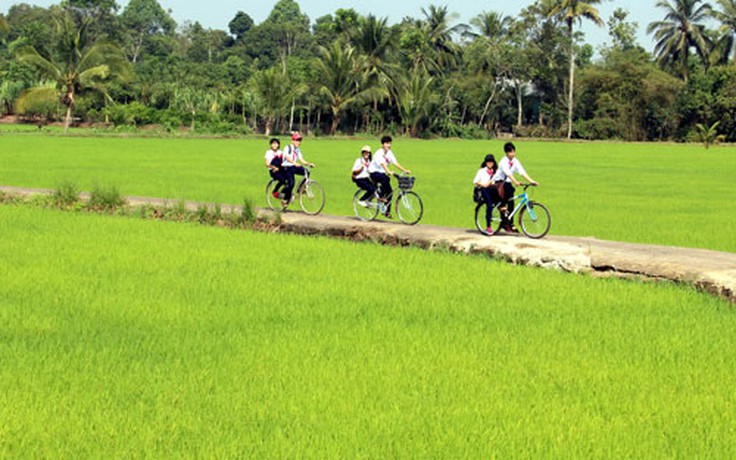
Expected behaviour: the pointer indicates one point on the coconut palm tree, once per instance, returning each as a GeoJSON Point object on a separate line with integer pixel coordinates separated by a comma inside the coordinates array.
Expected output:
{"type": "Point", "coordinates": [274, 93]}
{"type": "Point", "coordinates": [572, 11]}
{"type": "Point", "coordinates": [79, 63]}
{"type": "Point", "coordinates": [416, 98]}
{"type": "Point", "coordinates": [374, 41]}
{"type": "Point", "coordinates": [339, 70]}
{"type": "Point", "coordinates": [727, 17]}
{"type": "Point", "coordinates": [439, 34]}
{"type": "Point", "coordinates": [679, 31]}
{"type": "Point", "coordinates": [490, 24]}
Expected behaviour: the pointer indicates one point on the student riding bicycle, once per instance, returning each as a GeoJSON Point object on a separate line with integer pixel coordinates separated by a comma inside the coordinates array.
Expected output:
{"type": "Point", "coordinates": [273, 158]}
{"type": "Point", "coordinates": [507, 167]}
{"type": "Point", "coordinates": [293, 164]}
{"type": "Point", "coordinates": [379, 170]}
{"type": "Point", "coordinates": [361, 176]}
{"type": "Point", "coordinates": [483, 182]}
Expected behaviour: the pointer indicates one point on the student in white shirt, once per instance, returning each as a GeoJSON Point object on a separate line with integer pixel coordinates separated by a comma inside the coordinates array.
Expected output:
{"type": "Point", "coordinates": [380, 171]}
{"type": "Point", "coordinates": [484, 182]}
{"type": "Point", "coordinates": [273, 158]}
{"type": "Point", "coordinates": [361, 176]}
{"type": "Point", "coordinates": [293, 164]}
{"type": "Point", "coordinates": [507, 168]}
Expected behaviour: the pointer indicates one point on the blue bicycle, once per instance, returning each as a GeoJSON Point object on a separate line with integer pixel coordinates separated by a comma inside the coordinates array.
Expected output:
{"type": "Point", "coordinates": [534, 218]}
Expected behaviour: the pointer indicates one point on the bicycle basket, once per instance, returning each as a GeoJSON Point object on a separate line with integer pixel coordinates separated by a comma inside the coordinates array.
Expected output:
{"type": "Point", "coordinates": [406, 182]}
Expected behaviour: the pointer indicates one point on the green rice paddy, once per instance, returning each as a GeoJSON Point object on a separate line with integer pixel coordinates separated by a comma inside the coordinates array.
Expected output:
{"type": "Point", "coordinates": [667, 194]}
{"type": "Point", "coordinates": [128, 338]}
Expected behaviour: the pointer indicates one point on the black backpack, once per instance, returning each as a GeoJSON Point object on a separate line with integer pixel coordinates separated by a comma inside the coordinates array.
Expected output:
{"type": "Point", "coordinates": [477, 196]}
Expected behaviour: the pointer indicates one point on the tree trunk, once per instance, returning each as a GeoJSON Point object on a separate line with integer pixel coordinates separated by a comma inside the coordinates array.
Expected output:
{"type": "Point", "coordinates": [572, 83]}
{"type": "Point", "coordinates": [488, 104]}
{"type": "Point", "coordinates": [519, 97]}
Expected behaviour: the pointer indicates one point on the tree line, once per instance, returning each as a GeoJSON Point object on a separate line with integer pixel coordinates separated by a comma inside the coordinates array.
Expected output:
{"type": "Point", "coordinates": [529, 75]}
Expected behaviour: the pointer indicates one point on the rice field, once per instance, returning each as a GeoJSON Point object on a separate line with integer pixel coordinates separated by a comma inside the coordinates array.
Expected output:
{"type": "Point", "coordinates": [669, 194]}
{"type": "Point", "coordinates": [130, 338]}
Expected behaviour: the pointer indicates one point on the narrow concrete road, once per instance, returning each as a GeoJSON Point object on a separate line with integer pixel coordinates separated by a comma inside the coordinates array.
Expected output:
{"type": "Point", "coordinates": [711, 271]}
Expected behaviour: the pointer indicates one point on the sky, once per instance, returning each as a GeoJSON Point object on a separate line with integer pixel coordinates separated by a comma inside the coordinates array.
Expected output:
{"type": "Point", "coordinates": [216, 14]}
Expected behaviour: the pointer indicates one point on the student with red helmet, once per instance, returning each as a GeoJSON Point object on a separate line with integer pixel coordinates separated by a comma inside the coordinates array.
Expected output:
{"type": "Point", "coordinates": [293, 164]}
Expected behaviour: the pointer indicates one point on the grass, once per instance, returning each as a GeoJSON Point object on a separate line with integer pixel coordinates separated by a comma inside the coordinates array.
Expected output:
{"type": "Point", "coordinates": [666, 194]}
{"type": "Point", "coordinates": [129, 338]}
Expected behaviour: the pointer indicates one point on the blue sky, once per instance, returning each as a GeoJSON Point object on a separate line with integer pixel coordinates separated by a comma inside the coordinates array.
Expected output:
{"type": "Point", "coordinates": [217, 14]}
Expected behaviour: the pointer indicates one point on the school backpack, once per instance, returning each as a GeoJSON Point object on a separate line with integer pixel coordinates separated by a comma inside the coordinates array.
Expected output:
{"type": "Point", "coordinates": [477, 196]}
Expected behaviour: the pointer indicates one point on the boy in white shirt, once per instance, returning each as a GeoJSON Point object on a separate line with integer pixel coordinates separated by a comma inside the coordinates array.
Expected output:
{"type": "Point", "coordinates": [293, 165]}
{"type": "Point", "coordinates": [380, 171]}
{"type": "Point", "coordinates": [507, 167]}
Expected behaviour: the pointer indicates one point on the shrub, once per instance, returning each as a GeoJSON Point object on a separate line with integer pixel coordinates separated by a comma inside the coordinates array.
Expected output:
{"type": "Point", "coordinates": [105, 198]}
{"type": "Point", "coordinates": [66, 194]}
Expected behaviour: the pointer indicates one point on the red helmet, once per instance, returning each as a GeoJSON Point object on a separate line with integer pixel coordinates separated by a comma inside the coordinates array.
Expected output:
{"type": "Point", "coordinates": [296, 137]}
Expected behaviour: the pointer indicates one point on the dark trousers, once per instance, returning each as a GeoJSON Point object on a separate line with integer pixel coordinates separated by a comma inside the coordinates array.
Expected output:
{"type": "Point", "coordinates": [289, 180]}
{"type": "Point", "coordinates": [278, 177]}
{"type": "Point", "coordinates": [385, 191]}
{"type": "Point", "coordinates": [367, 185]}
{"type": "Point", "coordinates": [508, 191]}
{"type": "Point", "coordinates": [490, 197]}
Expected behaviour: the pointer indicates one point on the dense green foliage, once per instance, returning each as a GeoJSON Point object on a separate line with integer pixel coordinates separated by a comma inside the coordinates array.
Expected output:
{"type": "Point", "coordinates": [651, 193]}
{"type": "Point", "coordinates": [532, 74]}
{"type": "Point", "coordinates": [129, 338]}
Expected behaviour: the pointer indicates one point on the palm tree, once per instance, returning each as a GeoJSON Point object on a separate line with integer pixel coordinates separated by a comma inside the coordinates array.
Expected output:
{"type": "Point", "coordinates": [572, 11]}
{"type": "Point", "coordinates": [416, 99]}
{"type": "Point", "coordinates": [439, 34]}
{"type": "Point", "coordinates": [79, 64]}
{"type": "Point", "coordinates": [490, 24]}
{"type": "Point", "coordinates": [374, 40]}
{"type": "Point", "coordinates": [679, 31]}
{"type": "Point", "coordinates": [727, 17]}
{"type": "Point", "coordinates": [274, 93]}
{"type": "Point", "coordinates": [339, 81]}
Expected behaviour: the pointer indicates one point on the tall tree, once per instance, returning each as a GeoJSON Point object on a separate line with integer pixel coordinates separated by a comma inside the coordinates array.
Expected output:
{"type": "Point", "coordinates": [79, 62]}
{"type": "Point", "coordinates": [726, 14]}
{"type": "Point", "coordinates": [144, 20]}
{"type": "Point", "coordinates": [439, 33]}
{"type": "Point", "coordinates": [679, 32]}
{"type": "Point", "coordinates": [374, 41]}
{"type": "Point", "coordinates": [572, 11]}
{"type": "Point", "coordinates": [339, 73]}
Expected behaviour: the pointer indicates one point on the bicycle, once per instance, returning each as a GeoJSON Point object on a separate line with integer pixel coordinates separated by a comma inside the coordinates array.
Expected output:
{"type": "Point", "coordinates": [408, 205]}
{"type": "Point", "coordinates": [310, 193]}
{"type": "Point", "coordinates": [534, 217]}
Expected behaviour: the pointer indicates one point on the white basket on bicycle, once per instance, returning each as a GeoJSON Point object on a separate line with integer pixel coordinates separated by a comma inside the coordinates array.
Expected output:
{"type": "Point", "coordinates": [406, 182]}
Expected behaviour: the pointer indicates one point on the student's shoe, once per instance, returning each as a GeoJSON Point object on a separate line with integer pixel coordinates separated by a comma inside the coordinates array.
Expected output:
{"type": "Point", "coordinates": [489, 231]}
{"type": "Point", "coordinates": [284, 203]}
{"type": "Point", "coordinates": [362, 203]}
{"type": "Point", "coordinates": [388, 215]}
{"type": "Point", "coordinates": [276, 195]}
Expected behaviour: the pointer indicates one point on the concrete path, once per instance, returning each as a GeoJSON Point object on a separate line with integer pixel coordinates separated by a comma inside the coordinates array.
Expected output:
{"type": "Point", "coordinates": [711, 271]}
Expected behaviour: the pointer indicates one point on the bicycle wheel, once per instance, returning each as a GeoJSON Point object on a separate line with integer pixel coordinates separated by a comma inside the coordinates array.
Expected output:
{"type": "Point", "coordinates": [311, 197]}
{"type": "Point", "coordinates": [535, 220]}
{"type": "Point", "coordinates": [365, 210]}
{"type": "Point", "coordinates": [274, 203]}
{"type": "Point", "coordinates": [480, 218]}
{"type": "Point", "coordinates": [409, 208]}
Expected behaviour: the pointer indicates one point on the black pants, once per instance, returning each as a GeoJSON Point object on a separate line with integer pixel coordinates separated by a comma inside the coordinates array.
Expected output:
{"type": "Point", "coordinates": [289, 181]}
{"type": "Point", "coordinates": [385, 191]}
{"type": "Point", "coordinates": [490, 197]}
{"type": "Point", "coordinates": [367, 185]}
{"type": "Point", "coordinates": [278, 177]}
{"type": "Point", "coordinates": [509, 191]}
